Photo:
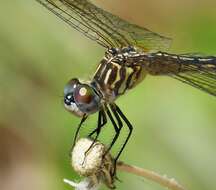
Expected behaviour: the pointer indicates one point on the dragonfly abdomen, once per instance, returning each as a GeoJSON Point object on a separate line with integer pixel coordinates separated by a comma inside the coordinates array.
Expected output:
{"type": "Point", "coordinates": [198, 63]}
{"type": "Point", "coordinates": [115, 78]}
{"type": "Point", "coordinates": [164, 64]}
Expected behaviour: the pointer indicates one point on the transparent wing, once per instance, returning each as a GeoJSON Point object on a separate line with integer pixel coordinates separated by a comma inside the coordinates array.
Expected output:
{"type": "Point", "coordinates": [106, 29]}
{"type": "Point", "coordinates": [202, 77]}
{"type": "Point", "coordinates": [197, 71]}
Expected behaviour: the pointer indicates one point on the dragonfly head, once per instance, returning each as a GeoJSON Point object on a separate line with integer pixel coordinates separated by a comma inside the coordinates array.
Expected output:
{"type": "Point", "coordinates": [81, 98]}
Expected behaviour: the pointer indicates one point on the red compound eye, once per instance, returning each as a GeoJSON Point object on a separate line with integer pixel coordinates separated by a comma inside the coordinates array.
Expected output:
{"type": "Point", "coordinates": [83, 94]}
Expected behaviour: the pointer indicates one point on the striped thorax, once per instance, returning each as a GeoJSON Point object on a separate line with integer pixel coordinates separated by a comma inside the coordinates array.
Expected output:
{"type": "Point", "coordinates": [116, 73]}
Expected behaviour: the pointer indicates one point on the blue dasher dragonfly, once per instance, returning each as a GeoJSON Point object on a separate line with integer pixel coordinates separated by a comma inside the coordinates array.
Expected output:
{"type": "Point", "coordinates": [132, 53]}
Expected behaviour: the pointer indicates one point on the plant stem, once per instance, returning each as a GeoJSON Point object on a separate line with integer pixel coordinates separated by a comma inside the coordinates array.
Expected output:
{"type": "Point", "coordinates": [171, 184]}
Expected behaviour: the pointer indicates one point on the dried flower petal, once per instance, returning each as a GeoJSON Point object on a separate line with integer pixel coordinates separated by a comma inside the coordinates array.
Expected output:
{"type": "Point", "coordinates": [85, 184]}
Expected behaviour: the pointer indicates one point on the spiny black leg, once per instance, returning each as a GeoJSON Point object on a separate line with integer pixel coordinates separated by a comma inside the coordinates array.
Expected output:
{"type": "Point", "coordinates": [120, 124]}
{"type": "Point", "coordinates": [101, 122]}
{"type": "Point", "coordinates": [78, 128]}
{"type": "Point", "coordinates": [98, 125]}
{"type": "Point", "coordinates": [130, 127]}
{"type": "Point", "coordinates": [92, 133]}
{"type": "Point", "coordinates": [113, 108]}
{"type": "Point", "coordinates": [103, 115]}
{"type": "Point", "coordinates": [116, 127]}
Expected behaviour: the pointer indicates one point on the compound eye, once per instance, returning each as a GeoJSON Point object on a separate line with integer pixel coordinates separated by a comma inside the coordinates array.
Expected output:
{"type": "Point", "coordinates": [83, 94]}
{"type": "Point", "coordinates": [70, 86]}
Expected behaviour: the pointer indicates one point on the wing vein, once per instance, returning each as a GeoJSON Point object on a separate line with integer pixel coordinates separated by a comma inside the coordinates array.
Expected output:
{"type": "Point", "coordinates": [101, 26]}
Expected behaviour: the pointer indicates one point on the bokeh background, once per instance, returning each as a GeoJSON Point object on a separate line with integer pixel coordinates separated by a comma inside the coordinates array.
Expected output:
{"type": "Point", "coordinates": [175, 124]}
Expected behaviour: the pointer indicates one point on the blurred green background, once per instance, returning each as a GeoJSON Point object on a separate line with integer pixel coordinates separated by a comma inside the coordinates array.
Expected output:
{"type": "Point", "coordinates": [175, 124]}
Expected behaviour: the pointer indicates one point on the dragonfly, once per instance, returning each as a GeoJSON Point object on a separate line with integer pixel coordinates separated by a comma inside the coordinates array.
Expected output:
{"type": "Point", "coordinates": [131, 53]}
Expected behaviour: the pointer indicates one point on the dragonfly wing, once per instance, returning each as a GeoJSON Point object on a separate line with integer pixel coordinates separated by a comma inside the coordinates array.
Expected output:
{"type": "Point", "coordinates": [201, 78]}
{"type": "Point", "coordinates": [143, 38]}
{"type": "Point", "coordinates": [101, 26]}
{"type": "Point", "coordinates": [197, 71]}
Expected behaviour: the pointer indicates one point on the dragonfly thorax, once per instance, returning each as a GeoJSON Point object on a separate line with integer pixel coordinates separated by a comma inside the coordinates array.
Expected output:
{"type": "Point", "coordinates": [118, 72]}
{"type": "Point", "coordinates": [121, 54]}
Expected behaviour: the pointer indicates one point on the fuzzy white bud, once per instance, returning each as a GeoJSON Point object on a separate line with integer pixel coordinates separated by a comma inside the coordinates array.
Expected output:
{"type": "Point", "coordinates": [92, 164]}
{"type": "Point", "coordinates": [87, 163]}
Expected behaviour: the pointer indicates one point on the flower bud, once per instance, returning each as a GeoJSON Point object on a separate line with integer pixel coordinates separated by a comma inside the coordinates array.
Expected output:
{"type": "Point", "coordinates": [92, 163]}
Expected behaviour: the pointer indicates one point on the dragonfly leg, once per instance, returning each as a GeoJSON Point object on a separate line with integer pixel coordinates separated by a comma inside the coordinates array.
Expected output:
{"type": "Point", "coordinates": [116, 127]}
{"type": "Point", "coordinates": [78, 129]}
{"type": "Point", "coordinates": [103, 115]}
{"type": "Point", "coordinates": [102, 120]}
{"type": "Point", "coordinates": [119, 115]}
